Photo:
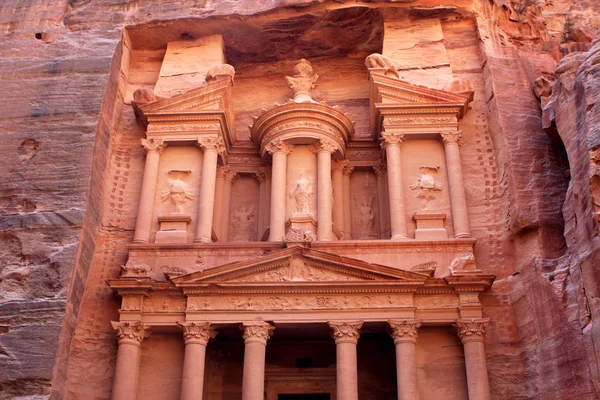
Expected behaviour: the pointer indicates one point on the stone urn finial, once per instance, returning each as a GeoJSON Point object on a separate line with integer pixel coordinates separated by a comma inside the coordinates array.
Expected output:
{"type": "Point", "coordinates": [303, 81]}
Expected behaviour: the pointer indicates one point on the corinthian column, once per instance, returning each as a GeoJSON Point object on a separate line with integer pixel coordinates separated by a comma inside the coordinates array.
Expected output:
{"type": "Point", "coordinates": [460, 217]}
{"type": "Point", "coordinates": [405, 338]}
{"type": "Point", "coordinates": [324, 223]}
{"type": "Point", "coordinates": [256, 335]}
{"type": "Point", "coordinates": [130, 335]}
{"type": "Point", "coordinates": [338, 195]}
{"type": "Point", "coordinates": [280, 150]}
{"type": "Point", "coordinates": [196, 338]}
{"type": "Point", "coordinates": [143, 223]}
{"type": "Point", "coordinates": [472, 334]}
{"type": "Point", "coordinates": [212, 146]}
{"type": "Point", "coordinates": [346, 337]}
{"type": "Point", "coordinates": [347, 206]}
{"type": "Point", "coordinates": [391, 143]}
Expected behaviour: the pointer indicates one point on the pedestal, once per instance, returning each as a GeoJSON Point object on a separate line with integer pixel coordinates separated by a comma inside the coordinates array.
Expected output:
{"type": "Point", "coordinates": [430, 226]}
{"type": "Point", "coordinates": [173, 229]}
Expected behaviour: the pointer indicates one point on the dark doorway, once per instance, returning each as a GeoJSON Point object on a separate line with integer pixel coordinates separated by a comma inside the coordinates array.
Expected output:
{"type": "Point", "coordinates": [313, 396]}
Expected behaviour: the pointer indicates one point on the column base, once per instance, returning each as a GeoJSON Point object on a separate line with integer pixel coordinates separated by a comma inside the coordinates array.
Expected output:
{"type": "Point", "coordinates": [462, 235]}
{"type": "Point", "coordinates": [141, 241]}
{"type": "Point", "coordinates": [202, 240]}
{"type": "Point", "coordinates": [398, 237]}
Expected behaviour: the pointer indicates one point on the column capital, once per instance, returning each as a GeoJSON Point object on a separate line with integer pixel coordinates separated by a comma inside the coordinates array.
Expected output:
{"type": "Point", "coordinates": [153, 145]}
{"type": "Point", "coordinates": [199, 333]}
{"type": "Point", "coordinates": [257, 332]}
{"type": "Point", "coordinates": [388, 139]}
{"type": "Point", "coordinates": [262, 174]}
{"type": "Point", "coordinates": [211, 143]}
{"type": "Point", "coordinates": [228, 173]}
{"type": "Point", "coordinates": [346, 331]}
{"type": "Point", "coordinates": [339, 165]}
{"type": "Point", "coordinates": [451, 136]}
{"type": "Point", "coordinates": [327, 146]}
{"type": "Point", "coordinates": [380, 169]}
{"type": "Point", "coordinates": [348, 170]}
{"type": "Point", "coordinates": [278, 146]}
{"type": "Point", "coordinates": [404, 331]}
{"type": "Point", "coordinates": [130, 332]}
{"type": "Point", "coordinates": [472, 330]}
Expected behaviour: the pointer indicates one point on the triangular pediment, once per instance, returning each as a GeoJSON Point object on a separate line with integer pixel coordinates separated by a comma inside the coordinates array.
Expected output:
{"type": "Point", "coordinates": [298, 265]}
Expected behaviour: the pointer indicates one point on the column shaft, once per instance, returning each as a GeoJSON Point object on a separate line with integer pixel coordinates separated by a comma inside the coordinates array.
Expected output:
{"type": "Point", "coordinates": [405, 338]}
{"type": "Point", "coordinates": [382, 203]}
{"type": "Point", "coordinates": [255, 339]}
{"type": "Point", "coordinates": [196, 338]}
{"type": "Point", "coordinates": [212, 146]}
{"type": "Point", "coordinates": [460, 216]}
{"type": "Point", "coordinates": [279, 150]}
{"type": "Point", "coordinates": [347, 204]}
{"type": "Point", "coordinates": [324, 223]}
{"type": "Point", "coordinates": [395, 185]}
{"type": "Point", "coordinates": [128, 359]}
{"type": "Point", "coordinates": [227, 184]}
{"type": "Point", "coordinates": [143, 223]}
{"type": "Point", "coordinates": [338, 197]}
{"type": "Point", "coordinates": [218, 209]}
{"type": "Point", "coordinates": [346, 336]}
{"type": "Point", "coordinates": [264, 195]}
{"type": "Point", "coordinates": [472, 334]}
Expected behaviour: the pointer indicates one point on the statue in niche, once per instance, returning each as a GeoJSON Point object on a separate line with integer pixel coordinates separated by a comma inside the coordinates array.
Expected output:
{"type": "Point", "coordinates": [365, 215]}
{"type": "Point", "coordinates": [178, 192]}
{"type": "Point", "coordinates": [426, 187]}
{"type": "Point", "coordinates": [244, 221]}
{"type": "Point", "coordinates": [302, 195]}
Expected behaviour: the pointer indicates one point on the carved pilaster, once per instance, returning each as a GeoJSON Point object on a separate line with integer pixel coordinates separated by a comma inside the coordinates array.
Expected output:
{"type": "Point", "coordinates": [346, 332]}
{"type": "Point", "coordinates": [199, 333]}
{"type": "Point", "coordinates": [257, 332]}
{"type": "Point", "coordinates": [211, 143]}
{"type": "Point", "coordinates": [153, 145]}
{"type": "Point", "coordinates": [472, 330]}
{"type": "Point", "coordinates": [228, 173]}
{"type": "Point", "coordinates": [388, 139]}
{"type": "Point", "coordinates": [380, 169]}
{"type": "Point", "coordinates": [129, 332]}
{"type": "Point", "coordinates": [262, 174]}
{"type": "Point", "coordinates": [404, 331]}
{"type": "Point", "coordinates": [278, 146]}
{"type": "Point", "coordinates": [451, 136]}
{"type": "Point", "coordinates": [348, 170]}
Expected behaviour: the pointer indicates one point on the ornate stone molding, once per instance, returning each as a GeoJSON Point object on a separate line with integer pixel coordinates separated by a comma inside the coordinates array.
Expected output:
{"type": "Point", "coordinates": [472, 330]}
{"type": "Point", "coordinates": [327, 146]}
{"type": "Point", "coordinates": [212, 143]}
{"type": "Point", "coordinates": [262, 174]}
{"type": "Point", "coordinates": [346, 332]}
{"type": "Point", "coordinates": [388, 139]}
{"type": "Point", "coordinates": [129, 332]}
{"type": "Point", "coordinates": [451, 136]}
{"type": "Point", "coordinates": [199, 333]}
{"type": "Point", "coordinates": [404, 331]}
{"type": "Point", "coordinates": [228, 173]}
{"type": "Point", "coordinates": [278, 145]}
{"type": "Point", "coordinates": [156, 145]}
{"type": "Point", "coordinates": [257, 332]}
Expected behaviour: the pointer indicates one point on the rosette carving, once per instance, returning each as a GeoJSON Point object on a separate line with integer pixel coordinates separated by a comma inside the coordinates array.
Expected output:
{"type": "Point", "coordinates": [129, 332]}
{"type": "Point", "coordinates": [257, 332]}
{"type": "Point", "coordinates": [156, 145]}
{"type": "Point", "coordinates": [346, 332]}
{"type": "Point", "coordinates": [199, 333]}
{"type": "Point", "coordinates": [472, 330]}
{"type": "Point", "coordinates": [404, 331]}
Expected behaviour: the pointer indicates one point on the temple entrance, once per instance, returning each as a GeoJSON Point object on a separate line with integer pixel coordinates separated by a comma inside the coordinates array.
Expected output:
{"type": "Point", "coordinates": [314, 396]}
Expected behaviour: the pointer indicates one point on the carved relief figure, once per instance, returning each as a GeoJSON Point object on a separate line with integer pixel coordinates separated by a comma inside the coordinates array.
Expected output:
{"type": "Point", "coordinates": [178, 192]}
{"type": "Point", "coordinates": [302, 195]}
{"type": "Point", "coordinates": [377, 60]}
{"type": "Point", "coordinates": [244, 220]}
{"type": "Point", "coordinates": [366, 218]}
{"type": "Point", "coordinates": [426, 187]}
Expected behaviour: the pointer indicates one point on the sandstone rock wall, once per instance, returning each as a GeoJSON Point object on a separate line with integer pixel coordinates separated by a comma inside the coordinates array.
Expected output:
{"type": "Point", "coordinates": [66, 81]}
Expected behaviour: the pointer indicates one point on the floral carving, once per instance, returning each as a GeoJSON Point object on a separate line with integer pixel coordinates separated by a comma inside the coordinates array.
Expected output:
{"type": "Point", "coordinates": [199, 333]}
{"type": "Point", "coordinates": [257, 332]}
{"type": "Point", "coordinates": [472, 330]}
{"type": "Point", "coordinates": [278, 145]}
{"type": "Point", "coordinates": [388, 139]}
{"type": "Point", "coordinates": [346, 332]}
{"type": "Point", "coordinates": [303, 81]}
{"type": "Point", "coordinates": [129, 332]}
{"type": "Point", "coordinates": [404, 331]}
{"type": "Point", "coordinates": [153, 145]}
{"type": "Point", "coordinates": [326, 145]}
{"type": "Point", "coordinates": [211, 143]}
{"type": "Point", "coordinates": [451, 136]}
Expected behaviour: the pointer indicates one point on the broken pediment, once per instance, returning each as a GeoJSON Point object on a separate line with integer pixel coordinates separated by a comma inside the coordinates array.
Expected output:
{"type": "Point", "coordinates": [298, 265]}
{"type": "Point", "coordinates": [396, 104]}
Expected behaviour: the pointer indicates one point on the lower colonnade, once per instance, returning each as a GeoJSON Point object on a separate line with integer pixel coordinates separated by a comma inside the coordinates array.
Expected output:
{"type": "Point", "coordinates": [256, 335]}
